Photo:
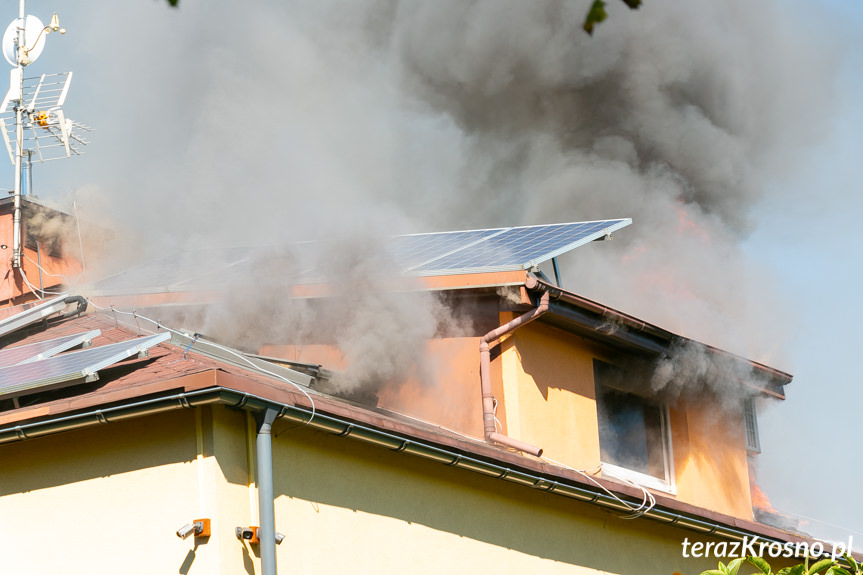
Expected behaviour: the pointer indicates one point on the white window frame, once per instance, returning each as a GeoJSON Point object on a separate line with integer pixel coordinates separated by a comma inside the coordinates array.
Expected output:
{"type": "Point", "coordinates": [750, 423]}
{"type": "Point", "coordinates": [667, 485]}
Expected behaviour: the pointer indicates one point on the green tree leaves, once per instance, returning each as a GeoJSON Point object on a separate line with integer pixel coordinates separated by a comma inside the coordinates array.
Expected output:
{"type": "Point", "coordinates": [597, 13]}
{"type": "Point", "coordinates": [822, 567]}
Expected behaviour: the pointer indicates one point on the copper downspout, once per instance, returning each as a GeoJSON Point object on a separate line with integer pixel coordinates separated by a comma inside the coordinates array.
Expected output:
{"type": "Point", "coordinates": [491, 433]}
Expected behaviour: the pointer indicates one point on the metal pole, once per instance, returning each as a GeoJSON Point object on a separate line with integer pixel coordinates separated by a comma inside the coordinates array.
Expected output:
{"type": "Point", "coordinates": [19, 140]}
{"type": "Point", "coordinates": [266, 506]}
{"type": "Point", "coordinates": [39, 265]}
{"type": "Point", "coordinates": [29, 172]}
{"type": "Point", "coordinates": [556, 272]}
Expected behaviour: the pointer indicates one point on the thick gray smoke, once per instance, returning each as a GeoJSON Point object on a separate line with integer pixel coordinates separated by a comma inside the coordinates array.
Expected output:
{"type": "Point", "coordinates": [271, 122]}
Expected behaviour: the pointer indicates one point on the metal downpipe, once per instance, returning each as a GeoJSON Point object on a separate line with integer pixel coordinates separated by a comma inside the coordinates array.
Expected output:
{"type": "Point", "coordinates": [490, 430]}
{"type": "Point", "coordinates": [266, 505]}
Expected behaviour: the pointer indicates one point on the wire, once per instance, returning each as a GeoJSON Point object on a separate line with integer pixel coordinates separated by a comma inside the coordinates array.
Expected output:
{"type": "Point", "coordinates": [80, 241]}
{"type": "Point", "coordinates": [497, 424]}
{"type": "Point", "coordinates": [32, 288]}
{"type": "Point", "coordinates": [648, 501]}
{"type": "Point", "coordinates": [255, 367]}
{"type": "Point", "coordinates": [65, 278]}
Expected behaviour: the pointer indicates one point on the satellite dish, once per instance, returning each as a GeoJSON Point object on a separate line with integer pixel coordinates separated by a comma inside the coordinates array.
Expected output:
{"type": "Point", "coordinates": [32, 30]}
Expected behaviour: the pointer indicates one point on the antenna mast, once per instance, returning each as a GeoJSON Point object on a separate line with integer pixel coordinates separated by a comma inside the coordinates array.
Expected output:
{"type": "Point", "coordinates": [37, 106]}
{"type": "Point", "coordinates": [16, 83]}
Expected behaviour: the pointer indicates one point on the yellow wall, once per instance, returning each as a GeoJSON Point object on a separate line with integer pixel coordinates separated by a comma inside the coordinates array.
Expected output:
{"type": "Point", "coordinates": [109, 499]}
{"type": "Point", "coordinates": [448, 393]}
{"type": "Point", "coordinates": [351, 508]}
{"type": "Point", "coordinates": [548, 375]}
{"type": "Point", "coordinates": [543, 380]}
{"type": "Point", "coordinates": [712, 469]}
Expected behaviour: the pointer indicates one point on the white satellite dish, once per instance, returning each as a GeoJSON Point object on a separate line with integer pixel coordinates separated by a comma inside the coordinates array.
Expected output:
{"type": "Point", "coordinates": [33, 37]}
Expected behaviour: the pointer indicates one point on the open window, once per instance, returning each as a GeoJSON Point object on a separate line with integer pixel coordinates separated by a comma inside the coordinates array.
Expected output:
{"type": "Point", "coordinates": [634, 437]}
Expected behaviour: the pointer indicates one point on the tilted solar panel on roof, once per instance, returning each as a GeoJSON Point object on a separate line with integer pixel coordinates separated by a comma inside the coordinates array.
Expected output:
{"type": "Point", "coordinates": [429, 254]}
{"type": "Point", "coordinates": [42, 349]}
{"type": "Point", "coordinates": [69, 368]}
{"type": "Point", "coordinates": [516, 248]}
{"type": "Point", "coordinates": [32, 315]}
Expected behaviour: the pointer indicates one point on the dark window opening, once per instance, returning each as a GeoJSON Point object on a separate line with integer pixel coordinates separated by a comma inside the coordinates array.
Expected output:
{"type": "Point", "coordinates": [632, 430]}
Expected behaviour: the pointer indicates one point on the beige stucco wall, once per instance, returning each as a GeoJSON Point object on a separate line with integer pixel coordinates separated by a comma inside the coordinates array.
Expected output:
{"type": "Point", "coordinates": [347, 507]}
{"type": "Point", "coordinates": [108, 500]}
{"type": "Point", "coordinates": [548, 375]}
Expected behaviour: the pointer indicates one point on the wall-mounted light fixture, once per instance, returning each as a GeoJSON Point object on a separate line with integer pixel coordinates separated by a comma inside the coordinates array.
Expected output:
{"type": "Point", "coordinates": [198, 527]}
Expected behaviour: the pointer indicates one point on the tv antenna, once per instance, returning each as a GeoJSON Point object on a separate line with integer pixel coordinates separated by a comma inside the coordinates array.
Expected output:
{"type": "Point", "coordinates": [36, 108]}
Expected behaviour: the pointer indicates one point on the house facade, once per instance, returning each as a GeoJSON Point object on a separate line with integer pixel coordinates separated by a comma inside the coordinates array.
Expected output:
{"type": "Point", "coordinates": [555, 435]}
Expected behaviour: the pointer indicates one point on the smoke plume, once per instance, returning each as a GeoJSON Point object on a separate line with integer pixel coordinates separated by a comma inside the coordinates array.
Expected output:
{"type": "Point", "coordinates": [274, 122]}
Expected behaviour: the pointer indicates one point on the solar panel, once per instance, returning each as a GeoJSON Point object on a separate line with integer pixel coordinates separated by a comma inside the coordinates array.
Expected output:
{"type": "Point", "coordinates": [69, 368]}
{"type": "Point", "coordinates": [516, 248]}
{"type": "Point", "coordinates": [416, 249]}
{"type": "Point", "coordinates": [32, 315]}
{"type": "Point", "coordinates": [43, 349]}
{"type": "Point", "coordinates": [439, 253]}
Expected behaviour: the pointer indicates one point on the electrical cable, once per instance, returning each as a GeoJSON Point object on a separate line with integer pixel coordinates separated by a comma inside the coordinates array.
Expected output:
{"type": "Point", "coordinates": [160, 325]}
{"type": "Point", "coordinates": [648, 501]}
{"type": "Point", "coordinates": [65, 278]}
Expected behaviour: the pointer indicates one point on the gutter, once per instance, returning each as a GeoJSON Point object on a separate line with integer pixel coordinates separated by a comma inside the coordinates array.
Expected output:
{"type": "Point", "coordinates": [345, 428]}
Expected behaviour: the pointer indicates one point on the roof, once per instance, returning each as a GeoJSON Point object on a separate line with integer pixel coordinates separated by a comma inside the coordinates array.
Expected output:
{"type": "Point", "coordinates": [172, 378]}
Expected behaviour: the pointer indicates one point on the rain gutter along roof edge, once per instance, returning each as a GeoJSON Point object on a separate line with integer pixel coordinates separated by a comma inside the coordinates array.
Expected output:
{"type": "Point", "coordinates": [730, 528]}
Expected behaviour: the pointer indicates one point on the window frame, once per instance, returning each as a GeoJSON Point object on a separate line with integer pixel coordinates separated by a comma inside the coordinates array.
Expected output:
{"type": "Point", "coordinates": [667, 484]}
{"type": "Point", "coordinates": [750, 426]}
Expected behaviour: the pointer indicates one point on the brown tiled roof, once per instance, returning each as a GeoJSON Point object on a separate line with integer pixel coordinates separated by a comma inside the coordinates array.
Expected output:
{"type": "Point", "coordinates": [166, 368]}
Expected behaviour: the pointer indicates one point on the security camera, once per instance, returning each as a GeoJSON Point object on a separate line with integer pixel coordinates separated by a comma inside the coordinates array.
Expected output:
{"type": "Point", "coordinates": [189, 528]}
{"type": "Point", "coordinates": [246, 533]}
{"type": "Point", "coordinates": [252, 534]}
{"type": "Point", "coordinates": [200, 527]}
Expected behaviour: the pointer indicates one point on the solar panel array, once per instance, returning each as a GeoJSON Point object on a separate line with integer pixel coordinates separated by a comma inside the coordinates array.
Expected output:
{"type": "Point", "coordinates": [429, 254]}
{"type": "Point", "coordinates": [70, 368]}
{"type": "Point", "coordinates": [32, 315]}
{"type": "Point", "coordinates": [43, 349]}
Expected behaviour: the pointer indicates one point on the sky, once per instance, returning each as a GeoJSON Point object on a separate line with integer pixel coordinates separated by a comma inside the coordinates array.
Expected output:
{"type": "Point", "coordinates": [728, 131]}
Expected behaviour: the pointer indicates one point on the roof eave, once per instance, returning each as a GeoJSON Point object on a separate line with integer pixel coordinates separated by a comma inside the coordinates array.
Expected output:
{"type": "Point", "coordinates": [622, 330]}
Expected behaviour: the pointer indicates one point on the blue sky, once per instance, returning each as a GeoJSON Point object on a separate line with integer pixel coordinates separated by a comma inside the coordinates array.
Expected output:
{"type": "Point", "coordinates": [810, 236]}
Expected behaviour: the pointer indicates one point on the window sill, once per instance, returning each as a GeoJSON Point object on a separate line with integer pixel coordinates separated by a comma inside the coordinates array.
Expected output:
{"type": "Point", "coordinates": [642, 479]}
